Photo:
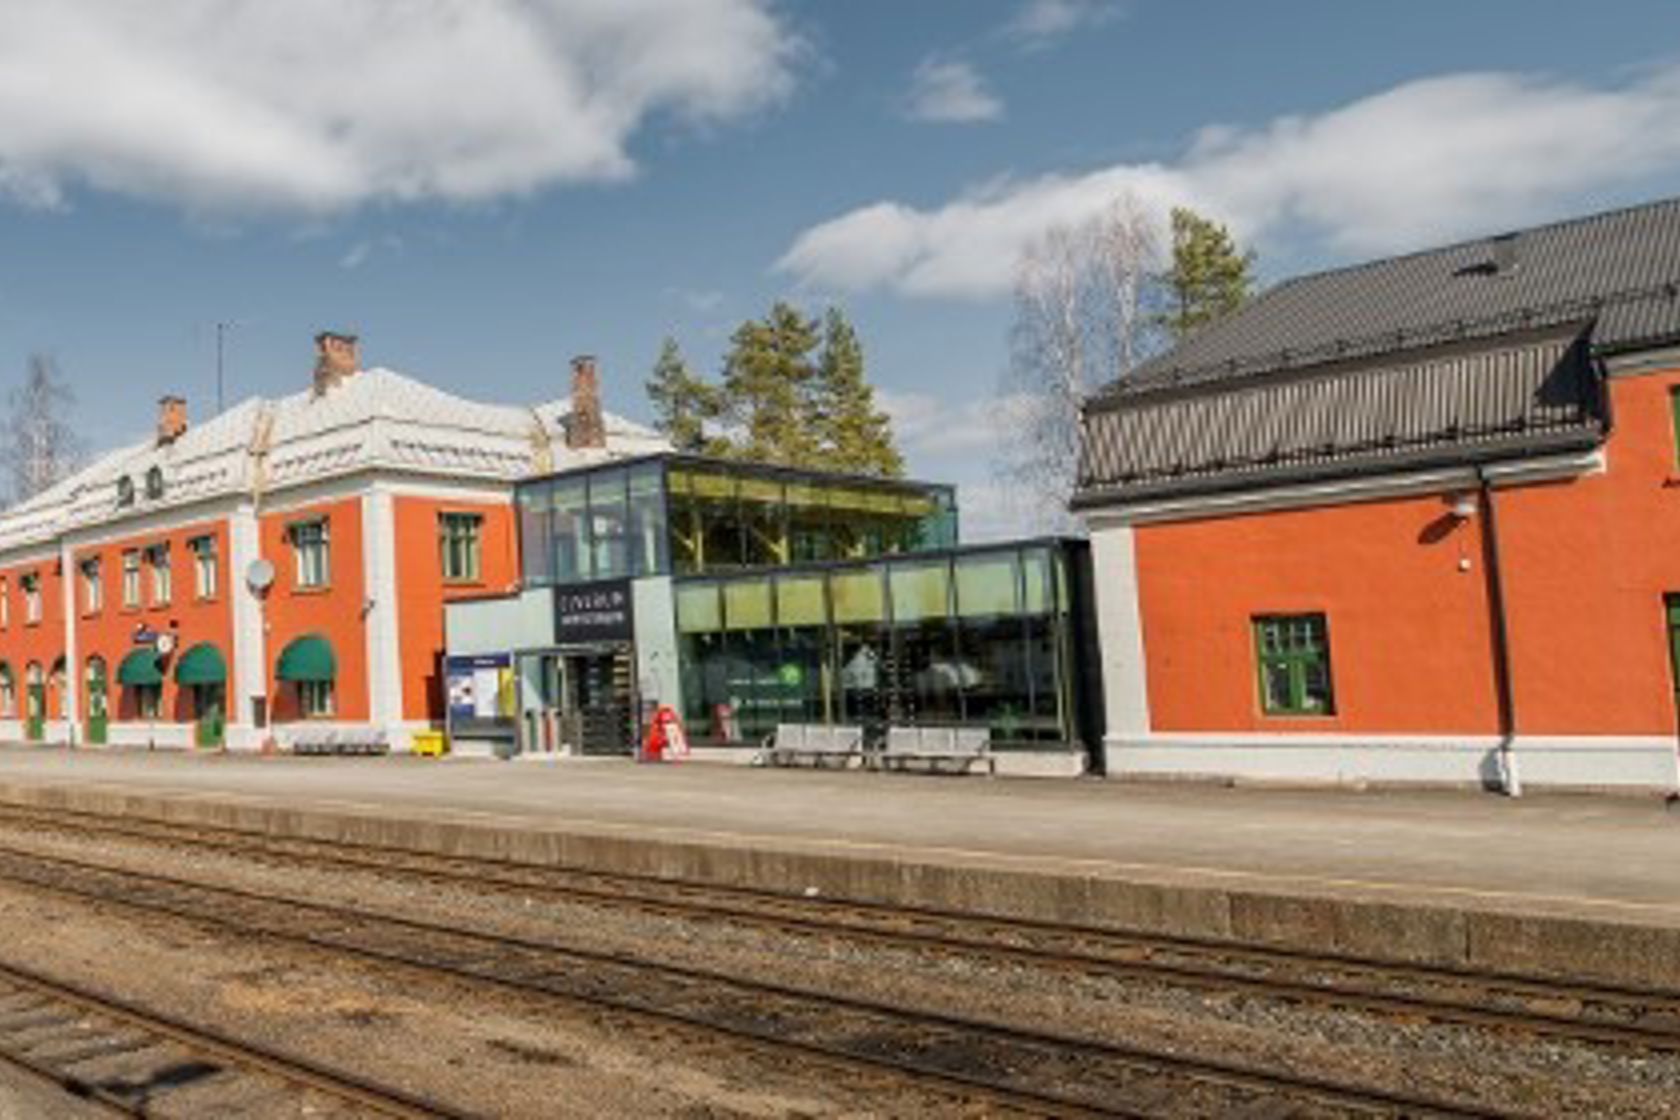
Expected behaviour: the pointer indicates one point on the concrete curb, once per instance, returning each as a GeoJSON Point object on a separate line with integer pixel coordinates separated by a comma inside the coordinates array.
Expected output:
{"type": "Point", "coordinates": [1512, 940]}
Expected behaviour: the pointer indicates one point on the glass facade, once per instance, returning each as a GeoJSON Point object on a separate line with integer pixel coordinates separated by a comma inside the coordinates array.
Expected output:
{"type": "Point", "coordinates": [978, 636]}
{"type": "Point", "coordinates": [688, 516]}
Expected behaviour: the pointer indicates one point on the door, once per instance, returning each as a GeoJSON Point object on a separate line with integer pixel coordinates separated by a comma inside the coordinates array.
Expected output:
{"type": "Point", "coordinates": [600, 688]}
{"type": "Point", "coordinates": [210, 705]}
{"type": "Point", "coordinates": [35, 726]}
{"type": "Point", "coordinates": [99, 712]}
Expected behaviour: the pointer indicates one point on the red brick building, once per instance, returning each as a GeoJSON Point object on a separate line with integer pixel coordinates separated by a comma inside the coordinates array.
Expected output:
{"type": "Point", "coordinates": [1418, 519]}
{"type": "Point", "coordinates": [280, 570]}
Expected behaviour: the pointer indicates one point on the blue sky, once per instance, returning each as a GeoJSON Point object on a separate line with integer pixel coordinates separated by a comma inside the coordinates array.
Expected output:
{"type": "Point", "coordinates": [483, 188]}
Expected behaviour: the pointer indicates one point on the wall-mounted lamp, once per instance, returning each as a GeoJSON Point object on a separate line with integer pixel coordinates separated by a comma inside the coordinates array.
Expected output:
{"type": "Point", "coordinates": [1464, 507]}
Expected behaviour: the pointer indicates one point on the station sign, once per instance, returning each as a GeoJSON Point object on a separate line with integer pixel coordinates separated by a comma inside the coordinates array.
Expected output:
{"type": "Point", "coordinates": [593, 612]}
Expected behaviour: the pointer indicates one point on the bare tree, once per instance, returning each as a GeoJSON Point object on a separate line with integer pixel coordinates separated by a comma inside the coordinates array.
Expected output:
{"type": "Point", "coordinates": [40, 446]}
{"type": "Point", "coordinates": [1083, 295]}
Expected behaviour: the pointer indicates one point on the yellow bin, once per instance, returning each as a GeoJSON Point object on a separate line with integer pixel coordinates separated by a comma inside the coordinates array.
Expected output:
{"type": "Point", "coordinates": [431, 744]}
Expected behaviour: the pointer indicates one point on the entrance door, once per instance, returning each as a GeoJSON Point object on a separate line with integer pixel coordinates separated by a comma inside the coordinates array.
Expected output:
{"type": "Point", "coordinates": [35, 726]}
{"type": "Point", "coordinates": [210, 705]}
{"type": "Point", "coordinates": [99, 712]}
{"type": "Point", "coordinates": [600, 696]}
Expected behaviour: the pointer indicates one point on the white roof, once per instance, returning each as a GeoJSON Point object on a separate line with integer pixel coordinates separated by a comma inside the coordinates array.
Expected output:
{"type": "Point", "coordinates": [376, 419]}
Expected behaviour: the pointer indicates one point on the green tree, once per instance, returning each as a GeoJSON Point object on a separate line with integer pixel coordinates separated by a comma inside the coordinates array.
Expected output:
{"type": "Point", "coordinates": [768, 382]}
{"type": "Point", "coordinates": [852, 433]}
{"type": "Point", "coordinates": [682, 402]}
{"type": "Point", "coordinates": [1209, 276]}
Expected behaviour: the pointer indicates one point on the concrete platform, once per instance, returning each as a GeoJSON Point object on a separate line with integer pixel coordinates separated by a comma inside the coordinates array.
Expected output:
{"type": "Point", "coordinates": [1585, 886]}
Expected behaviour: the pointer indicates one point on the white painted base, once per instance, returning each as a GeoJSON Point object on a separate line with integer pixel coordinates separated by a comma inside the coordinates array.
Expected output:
{"type": "Point", "coordinates": [169, 736]}
{"type": "Point", "coordinates": [1013, 763]}
{"type": "Point", "coordinates": [1582, 761]}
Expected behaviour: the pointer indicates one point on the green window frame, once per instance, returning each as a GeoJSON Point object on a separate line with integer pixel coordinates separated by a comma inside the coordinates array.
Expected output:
{"type": "Point", "coordinates": [1292, 660]}
{"type": "Point", "coordinates": [311, 545]}
{"type": "Point", "coordinates": [459, 538]}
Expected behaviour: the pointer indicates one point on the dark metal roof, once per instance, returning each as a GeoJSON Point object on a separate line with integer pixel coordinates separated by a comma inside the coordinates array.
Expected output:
{"type": "Point", "coordinates": [1464, 402]}
{"type": "Point", "coordinates": [1473, 351]}
{"type": "Point", "coordinates": [1620, 269]}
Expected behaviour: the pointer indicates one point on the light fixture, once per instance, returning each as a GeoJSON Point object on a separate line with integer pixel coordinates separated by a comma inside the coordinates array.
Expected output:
{"type": "Point", "coordinates": [1464, 507]}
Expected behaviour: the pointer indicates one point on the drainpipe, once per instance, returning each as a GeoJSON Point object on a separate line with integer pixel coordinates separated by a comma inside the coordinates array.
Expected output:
{"type": "Point", "coordinates": [1501, 640]}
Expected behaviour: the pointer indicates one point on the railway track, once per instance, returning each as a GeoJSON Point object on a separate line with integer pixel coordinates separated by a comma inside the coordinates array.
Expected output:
{"type": "Point", "coordinates": [1017, 1068]}
{"type": "Point", "coordinates": [129, 1061]}
{"type": "Point", "coordinates": [1574, 1011]}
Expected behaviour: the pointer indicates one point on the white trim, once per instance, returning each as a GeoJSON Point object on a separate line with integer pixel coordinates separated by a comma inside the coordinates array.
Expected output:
{"type": "Point", "coordinates": [1372, 488]}
{"type": "Point", "coordinates": [1643, 362]}
{"type": "Point", "coordinates": [1635, 761]}
{"type": "Point", "coordinates": [359, 483]}
{"type": "Point", "coordinates": [380, 627]}
{"type": "Point", "coordinates": [1120, 630]}
{"type": "Point", "coordinates": [250, 638]}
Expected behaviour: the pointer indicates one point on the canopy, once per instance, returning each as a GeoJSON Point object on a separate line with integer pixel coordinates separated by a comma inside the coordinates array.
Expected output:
{"type": "Point", "coordinates": [202, 664]}
{"type": "Point", "coordinates": [140, 667]}
{"type": "Point", "coordinates": [309, 658]}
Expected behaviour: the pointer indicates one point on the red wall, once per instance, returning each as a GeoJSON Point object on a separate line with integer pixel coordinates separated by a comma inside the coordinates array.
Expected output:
{"type": "Point", "coordinates": [109, 633]}
{"type": "Point", "coordinates": [1585, 562]}
{"type": "Point", "coordinates": [422, 592]}
{"type": "Point", "coordinates": [42, 642]}
{"type": "Point", "coordinates": [334, 611]}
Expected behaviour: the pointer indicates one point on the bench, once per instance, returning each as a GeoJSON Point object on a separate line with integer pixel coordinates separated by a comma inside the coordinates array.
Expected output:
{"type": "Point", "coordinates": [814, 742]}
{"type": "Point", "coordinates": [958, 748]}
{"type": "Point", "coordinates": [327, 740]}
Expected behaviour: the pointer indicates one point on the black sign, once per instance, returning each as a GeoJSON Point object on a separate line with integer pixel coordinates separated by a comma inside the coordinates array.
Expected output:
{"type": "Point", "coordinates": [593, 612]}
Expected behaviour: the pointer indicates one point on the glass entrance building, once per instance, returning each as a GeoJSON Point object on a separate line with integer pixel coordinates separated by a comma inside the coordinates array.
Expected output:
{"type": "Point", "coordinates": [755, 595]}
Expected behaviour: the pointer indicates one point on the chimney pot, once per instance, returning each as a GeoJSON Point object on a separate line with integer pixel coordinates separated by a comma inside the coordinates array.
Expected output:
{"type": "Point", "coordinates": [172, 419]}
{"type": "Point", "coordinates": [585, 428]}
{"type": "Point", "coordinates": [337, 356]}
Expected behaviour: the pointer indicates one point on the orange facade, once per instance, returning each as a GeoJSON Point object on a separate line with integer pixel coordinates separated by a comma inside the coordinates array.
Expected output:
{"type": "Point", "coordinates": [422, 589]}
{"type": "Point", "coordinates": [335, 610]}
{"type": "Point", "coordinates": [192, 614]}
{"type": "Point", "coordinates": [1402, 584]}
{"type": "Point", "coordinates": [28, 646]}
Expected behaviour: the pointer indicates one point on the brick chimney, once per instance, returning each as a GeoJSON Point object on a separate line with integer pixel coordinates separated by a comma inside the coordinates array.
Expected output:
{"type": "Point", "coordinates": [336, 357]}
{"type": "Point", "coordinates": [172, 419]}
{"type": "Point", "coordinates": [585, 428]}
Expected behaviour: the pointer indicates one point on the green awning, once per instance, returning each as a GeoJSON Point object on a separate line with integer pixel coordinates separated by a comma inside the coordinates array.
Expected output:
{"type": "Point", "coordinates": [139, 667]}
{"type": "Point", "coordinates": [309, 658]}
{"type": "Point", "coordinates": [202, 664]}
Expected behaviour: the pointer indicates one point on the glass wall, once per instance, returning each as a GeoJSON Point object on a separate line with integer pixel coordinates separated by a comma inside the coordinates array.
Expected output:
{"type": "Point", "coordinates": [695, 516]}
{"type": "Point", "coordinates": [978, 637]}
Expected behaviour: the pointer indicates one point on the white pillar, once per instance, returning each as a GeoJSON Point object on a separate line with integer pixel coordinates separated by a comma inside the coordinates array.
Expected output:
{"type": "Point", "coordinates": [1120, 630]}
{"type": "Point", "coordinates": [384, 665]}
{"type": "Point", "coordinates": [250, 641]}
{"type": "Point", "coordinates": [72, 662]}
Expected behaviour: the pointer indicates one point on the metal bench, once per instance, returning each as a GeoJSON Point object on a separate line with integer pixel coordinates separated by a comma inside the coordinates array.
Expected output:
{"type": "Point", "coordinates": [958, 748]}
{"type": "Point", "coordinates": [814, 742]}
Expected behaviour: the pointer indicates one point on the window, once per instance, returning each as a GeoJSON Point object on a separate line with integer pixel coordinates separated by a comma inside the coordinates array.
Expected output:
{"type": "Point", "coordinates": [31, 597]}
{"type": "Point", "coordinates": [315, 699]}
{"type": "Point", "coordinates": [131, 578]}
{"type": "Point", "coordinates": [157, 558]}
{"type": "Point", "coordinates": [93, 587]}
{"type": "Point", "coordinates": [5, 604]}
{"type": "Point", "coordinates": [154, 484]}
{"type": "Point", "coordinates": [148, 700]}
{"type": "Point", "coordinates": [1293, 652]}
{"type": "Point", "coordinates": [8, 692]}
{"type": "Point", "coordinates": [125, 491]}
{"type": "Point", "coordinates": [458, 535]}
{"type": "Point", "coordinates": [204, 566]}
{"type": "Point", "coordinates": [309, 546]}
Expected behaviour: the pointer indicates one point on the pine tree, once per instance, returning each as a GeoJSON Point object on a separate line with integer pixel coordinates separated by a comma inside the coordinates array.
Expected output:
{"type": "Point", "coordinates": [1209, 276]}
{"type": "Point", "coordinates": [853, 434]}
{"type": "Point", "coordinates": [682, 402]}
{"type": "Point", "coordinates": [768, 378]}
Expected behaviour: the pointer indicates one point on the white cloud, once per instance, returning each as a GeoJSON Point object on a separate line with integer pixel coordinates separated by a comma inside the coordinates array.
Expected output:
{"type": "Point", "coordinates": [319, 105]}
{"type": "Point", "coordinates": [1040, 22]}
{"type": "Point", "coordinates": [948, 91]}
{"type": "Point", "coordinates": [1431, 159]}
{"type": "Point", "coordinates": [701, 300]}
{"type": "Point", "coordinates": [925, 425]}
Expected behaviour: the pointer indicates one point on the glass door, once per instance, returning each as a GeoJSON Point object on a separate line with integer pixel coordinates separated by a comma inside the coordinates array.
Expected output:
{"type": "Point", "coordinates": [210, 705]}
{"type": "Point", "coordinates": [99, 711]}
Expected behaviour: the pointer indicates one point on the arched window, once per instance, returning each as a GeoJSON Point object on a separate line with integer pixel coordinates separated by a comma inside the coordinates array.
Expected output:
{"type": "Point", "coordinates": [8, 692]}
{"type": "Point", "coordinates": [125, 491]}
{"type": "Point", "coordinates": [154, 484]}
{"type": "Point", "coordinates": [34, 690]}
